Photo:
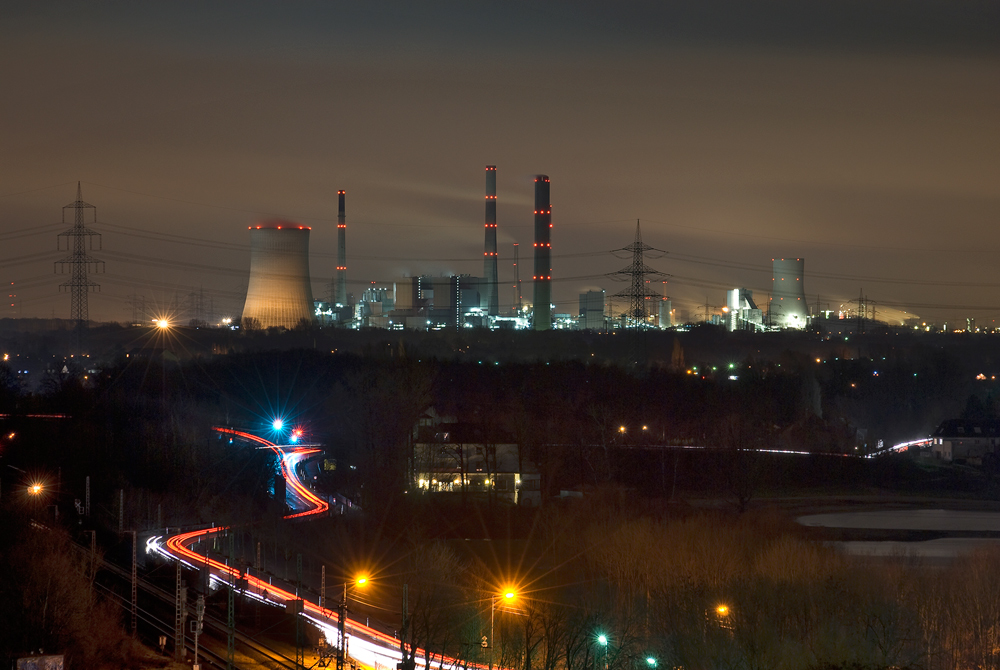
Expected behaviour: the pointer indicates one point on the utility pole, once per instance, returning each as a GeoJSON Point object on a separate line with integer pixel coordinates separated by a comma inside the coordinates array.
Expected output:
{"type": "Point", "coordinates": [342, 629]}
{"type": "Point", "coordinates": [180, 594]}
{"type": "Point", "coordinates": [408, 662]}
{"type": "Point", "coordinates": [322, 586]}
{"type": "Point", "coordinates": [231, 620]}
{"type": "Point", "coordinates": [862, 309]}
{"type": "Point", "coordinates": [135, 591]}
{"type": "Point", "coordinates": [78, 240]}
{"type": "Point", "coordinates": [199, 613]}
{"type": "Point", "coordinates": [517, 283]}
{"type": "Point", "coordinates": [300, 660]}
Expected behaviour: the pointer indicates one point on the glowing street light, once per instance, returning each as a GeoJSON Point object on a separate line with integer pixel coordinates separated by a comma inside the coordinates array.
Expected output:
{"type": "Point", "coordinates": [650, 661]}
{"type": "Point", "coordinates": [162, 323]}
{"type": "Point", "coordinates": [602, 640]}
{"type": "Point", "coordinates": [509, 594]}
{"type": "Point", "coordinates": [277, 424]}
{"type": "Point", "coordinates": [35, 489]}
{"type": "Point", "coordinates": [722, 610]}
{"type": "Point", "coordinates": [359, 582]}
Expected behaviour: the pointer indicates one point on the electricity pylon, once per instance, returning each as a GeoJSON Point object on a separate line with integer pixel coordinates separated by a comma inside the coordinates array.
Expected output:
{"type": "Point", "coordinates": [639, 275]}
{"type": "Point", "coordinates": [79, 263]}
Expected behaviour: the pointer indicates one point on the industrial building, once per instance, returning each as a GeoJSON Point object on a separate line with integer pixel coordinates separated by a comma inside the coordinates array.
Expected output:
{"type": "Point", "coordinates": [666, 315]}
{"type": "Point", "coordinates": [742, 312]}
{"type": "Point", "coordinates": [279, 292]}
{"type": "Point", "coordinates": [787, 307]}
{"type": "Point", "coordinates": [431, 303]}
{"type": "Point", "coordinates": [592, 311]}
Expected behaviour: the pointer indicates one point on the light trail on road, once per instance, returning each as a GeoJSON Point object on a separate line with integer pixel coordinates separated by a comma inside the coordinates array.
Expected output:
{"type": "Point", "coordinates": [371, 647]}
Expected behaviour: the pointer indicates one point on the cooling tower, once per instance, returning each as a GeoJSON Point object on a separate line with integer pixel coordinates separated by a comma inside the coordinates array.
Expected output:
{"type": "Point", "coordinates": [543, 255]}
{"type": "Point", "coordinates": [279, 293]}
{"type": "Point", "coordinates": [788, 297]}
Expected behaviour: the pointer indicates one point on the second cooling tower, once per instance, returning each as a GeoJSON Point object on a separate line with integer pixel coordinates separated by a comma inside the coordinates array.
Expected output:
{"type": "Point", "coordinates": [788, 297]}
{"type": "Point", "coordinates": [279, 293]}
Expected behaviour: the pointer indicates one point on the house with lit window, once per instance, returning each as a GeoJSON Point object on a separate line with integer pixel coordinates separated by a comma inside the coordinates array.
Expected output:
{"type": "Point", "coordinates": [968, 440]}
{"type": "Point", "coordinates": [449, 457]}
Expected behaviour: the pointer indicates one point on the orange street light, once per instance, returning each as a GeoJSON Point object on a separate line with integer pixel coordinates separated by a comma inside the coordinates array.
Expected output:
{"type": "Point", "coordinates": [509, 594]}
{"type": "Point", "coordinates": [35, 489]}
{"type": "Point", "coordinates": [722, 610]}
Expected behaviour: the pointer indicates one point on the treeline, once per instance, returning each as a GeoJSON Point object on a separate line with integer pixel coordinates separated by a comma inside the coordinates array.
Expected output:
{"type": "Point", "coordinates": [706, 591]}
{"type": "Point", "coordinates": [142, 425]}
{"type": "Point", "coordinates": [50, 600]}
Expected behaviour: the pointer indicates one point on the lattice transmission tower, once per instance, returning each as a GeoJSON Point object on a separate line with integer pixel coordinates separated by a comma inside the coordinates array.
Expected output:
{"type": "Point", "coordinates": [638, 275]}
{"type": "Point", "coordinates": [79, 264]}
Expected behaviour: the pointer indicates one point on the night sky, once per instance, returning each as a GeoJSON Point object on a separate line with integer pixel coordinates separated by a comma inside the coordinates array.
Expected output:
{"type": "Point", "coordinates": [861, 136]}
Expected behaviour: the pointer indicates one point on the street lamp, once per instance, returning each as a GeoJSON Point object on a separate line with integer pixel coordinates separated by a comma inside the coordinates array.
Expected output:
{"type": "Point", "coordinates": [509, 594]}
{"type": "Point", "coordinates": [341, 619]}
{"type": "Point", "coordinates": [602, 640]}
{"type": "Point", "coordinates": [650, 662]}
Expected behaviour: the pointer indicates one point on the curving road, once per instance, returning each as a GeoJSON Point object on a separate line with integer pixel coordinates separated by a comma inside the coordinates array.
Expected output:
{"type": "Point", "coordinates": [366, 645]}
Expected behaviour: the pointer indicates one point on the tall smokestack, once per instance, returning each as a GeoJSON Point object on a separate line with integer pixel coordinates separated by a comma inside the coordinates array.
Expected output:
{"type": "Point", "coordinates": [490, 298]}
{"type": "Point", "coordinates": [543, 255]}
{"type": "Point", "coordinates": [341, 293]}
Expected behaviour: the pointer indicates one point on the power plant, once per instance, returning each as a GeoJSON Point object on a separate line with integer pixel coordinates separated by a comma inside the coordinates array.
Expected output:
{"type": "Point", "coordinates": [543, 255]}
{"type": "Point", "coordinates": [279, 293]}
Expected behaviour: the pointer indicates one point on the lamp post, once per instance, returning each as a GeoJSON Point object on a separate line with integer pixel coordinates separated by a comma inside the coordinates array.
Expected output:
{"type": "Point", "coordinates": [602, 640]}
{"type": "Point", "coordinates": [341, 619]}
{"type": "Point", "coordinates": [509, 594]}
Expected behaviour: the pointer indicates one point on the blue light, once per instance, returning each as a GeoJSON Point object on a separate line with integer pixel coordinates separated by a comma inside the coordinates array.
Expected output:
{"type": "Point", "coordinates": [277, 424]}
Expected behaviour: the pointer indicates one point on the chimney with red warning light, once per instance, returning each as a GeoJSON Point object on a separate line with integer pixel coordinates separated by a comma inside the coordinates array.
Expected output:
{"type": "Point", "coordinates": [543, 255]}
{"type": "Point", "coordinates": [340, 293]}
{"type": "Point", "coordinates": [489, 296]}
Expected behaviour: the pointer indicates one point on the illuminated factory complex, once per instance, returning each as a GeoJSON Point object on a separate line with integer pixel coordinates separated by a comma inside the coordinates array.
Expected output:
{"type": "Point", "coordinates": [279, 292]}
